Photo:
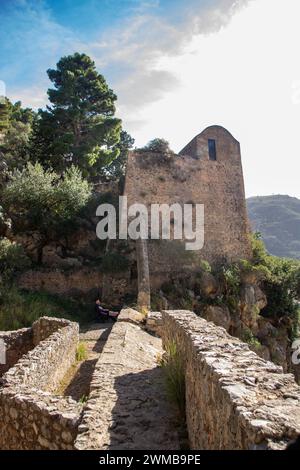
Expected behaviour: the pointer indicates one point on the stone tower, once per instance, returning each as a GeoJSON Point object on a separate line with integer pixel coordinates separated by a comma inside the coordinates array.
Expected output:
{"type": "Point", "coordinates": [207, 171]}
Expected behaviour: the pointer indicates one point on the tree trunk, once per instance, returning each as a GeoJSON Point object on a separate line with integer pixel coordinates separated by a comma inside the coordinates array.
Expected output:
{"type": "Point", "coordinates": [143, 300]}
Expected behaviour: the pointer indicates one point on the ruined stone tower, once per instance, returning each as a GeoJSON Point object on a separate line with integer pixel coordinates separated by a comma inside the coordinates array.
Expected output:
{"type": "Point", "coordinates": [207, 171]}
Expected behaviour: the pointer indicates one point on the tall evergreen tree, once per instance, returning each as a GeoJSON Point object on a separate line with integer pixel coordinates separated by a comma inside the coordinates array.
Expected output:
{"type": "Point", "coordinates": [79, 127]}
{"type": "Point", "coordinates": [117, 168]}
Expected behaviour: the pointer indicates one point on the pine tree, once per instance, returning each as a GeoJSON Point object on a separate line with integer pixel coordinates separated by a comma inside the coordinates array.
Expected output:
{"type": "Point", "coordinates": [79, 127]}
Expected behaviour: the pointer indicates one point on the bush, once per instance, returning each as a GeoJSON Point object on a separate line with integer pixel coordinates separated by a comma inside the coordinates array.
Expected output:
{"type": "Point", "coordinates": [41, 200]}
{"type": "Point", "coordinates": [12, 258]}
{"type": "Point", "coordinates": [157, 145]}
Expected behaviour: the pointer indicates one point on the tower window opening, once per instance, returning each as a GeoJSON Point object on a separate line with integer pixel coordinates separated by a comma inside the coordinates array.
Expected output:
{"type": "Point", "coordinates": [212, 149]}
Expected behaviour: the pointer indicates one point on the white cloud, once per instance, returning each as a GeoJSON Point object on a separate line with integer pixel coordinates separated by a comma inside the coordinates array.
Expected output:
{"type": "Point", "coordinates": [241, 77]}
{"type": "Point", "coordinates": [31, 97]}
{"type": "Point", "coordinates": [228, 62]}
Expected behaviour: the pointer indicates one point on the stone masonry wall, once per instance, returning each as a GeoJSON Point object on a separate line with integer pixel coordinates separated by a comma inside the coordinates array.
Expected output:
{"type": "Point", "coordinates": [45, 365]}
{"type": "Point", "coordinates": [191, 178]}
{"type": "Point", "coordinates": [45, 326]}
{"type": "Point", "coordinates": [75, 281]}
{"type": "Point", "coordinates": [30, 416]}
{"type": "Point", "coordinates": [17, 343]}
{"type": "Point", "coordinates": [234, 399]}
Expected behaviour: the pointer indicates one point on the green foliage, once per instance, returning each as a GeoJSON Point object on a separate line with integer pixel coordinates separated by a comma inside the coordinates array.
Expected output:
{"type": "Point", "coordinates": [17, 132]}
{"type": "Point", "coordinates": [12, 259]}
{"type": "Point", "coordinates": [41, 200]}
{"type": "Point", "coordinates": [81, 352]}
{"type": "Point", "coordinates": [175, 377]}
{"type": "Point", "coordinates": [83, 399]}
{"type": "Point", "coordinates": [281, 281]}
{"type": "Point", "coordinates": [79, 127]}
{"type": "Point", "coordinates": [24, 115]}
{"type": "Point", "coordinates": [20, 309]}
{"type": "Point", "coordinates": [15, 146]}
{"type": "Point", "coordinates": [116, 169]}
{"type": "Point", "coordinates": [157, 146]}
{"type": "Point", "coordinates": [229, 278]}
{"type": "Point", "coordinates": [248, 337]}
{"type": "Point", "coordinates": [5, 112]}
{"type": "Point", "coordinates": [205, 266]}
{"type": "Point", "coordinates": [113, 262]}
{"type": "Point", "coordinates": [279, 278]}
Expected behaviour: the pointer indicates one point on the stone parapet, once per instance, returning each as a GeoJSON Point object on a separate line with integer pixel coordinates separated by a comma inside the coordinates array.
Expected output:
{"type": "Point", "coordinates": [234, 398]}
{"type": "Point", "coordinates": [31, 416]}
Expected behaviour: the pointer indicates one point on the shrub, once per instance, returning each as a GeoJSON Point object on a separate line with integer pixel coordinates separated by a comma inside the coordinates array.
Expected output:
{"type": "Point", "coordinates": [157, 145]}
{"type": "Point", "coordinates": [41, 200]}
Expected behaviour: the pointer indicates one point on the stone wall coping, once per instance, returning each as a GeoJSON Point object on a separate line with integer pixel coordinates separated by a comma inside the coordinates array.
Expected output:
{"type": "Point", "coordinates": [131, 315]}
{"type": "Point", "coordinates": [16, 375]}
{"type": "Point", "coordinates": [33, 416]}
{"type": "Point", "coordinates": [13, 333]}
{"type": "Point", "coordinates": [266, 401]}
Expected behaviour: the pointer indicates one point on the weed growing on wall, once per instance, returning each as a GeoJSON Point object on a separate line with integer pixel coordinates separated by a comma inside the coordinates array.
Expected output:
{"type": "Point", "coordinates": [175, 378]}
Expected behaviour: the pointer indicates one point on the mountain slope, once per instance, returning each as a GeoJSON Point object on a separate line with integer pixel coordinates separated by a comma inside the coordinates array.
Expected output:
{"type": "Point", "coordinates": [278, 219]}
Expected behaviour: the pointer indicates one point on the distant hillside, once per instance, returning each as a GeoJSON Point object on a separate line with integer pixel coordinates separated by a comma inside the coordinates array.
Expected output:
{"type": "Point", "coordinates": [278, 220]}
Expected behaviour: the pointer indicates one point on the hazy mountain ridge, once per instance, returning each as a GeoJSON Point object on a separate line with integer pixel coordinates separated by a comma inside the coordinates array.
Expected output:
{"type": "Point", "coordinates": [277, 217]}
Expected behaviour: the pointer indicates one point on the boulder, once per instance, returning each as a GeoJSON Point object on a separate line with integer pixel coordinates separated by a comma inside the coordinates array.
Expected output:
{"type": "Point", "coordinates": [220, 316]}
{"type": "Point", "coordinates": [132, 316]}
{"type": "Point", "coordinates": [208, 284]}
{"type": "Point", "coordinates": [252, 300]}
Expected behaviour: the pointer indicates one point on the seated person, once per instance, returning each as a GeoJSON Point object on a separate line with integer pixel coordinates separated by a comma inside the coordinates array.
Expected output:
{"type": "Point", "coordinates": [102, 313]}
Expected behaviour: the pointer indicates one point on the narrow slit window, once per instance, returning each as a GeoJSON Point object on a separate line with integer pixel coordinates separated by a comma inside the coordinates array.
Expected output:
{"type": "Point", "coordinates": [212, 149]}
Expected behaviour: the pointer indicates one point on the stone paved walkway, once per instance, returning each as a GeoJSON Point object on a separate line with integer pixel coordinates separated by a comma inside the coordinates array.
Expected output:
{"type": "Point", "coordinates": [128, 407]}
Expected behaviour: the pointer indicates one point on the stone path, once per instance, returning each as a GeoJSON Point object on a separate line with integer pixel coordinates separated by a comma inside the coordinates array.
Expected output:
{"type": "Point", "coordinates": [76, 382]}
{"type": "Point", "coordinates": [128, 407]}
{"type": "Point", "coordinates": [123, 388]}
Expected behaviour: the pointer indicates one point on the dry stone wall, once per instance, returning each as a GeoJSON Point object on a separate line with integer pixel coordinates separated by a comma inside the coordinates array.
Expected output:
{"type": "Point", "coordinates": [30, 416]}
{"type": "Point", "coordinates": [17, 343]}
{"type": "Point", "coordinates": [234, 398]}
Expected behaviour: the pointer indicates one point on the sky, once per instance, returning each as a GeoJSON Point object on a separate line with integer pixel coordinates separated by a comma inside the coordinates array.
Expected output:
{"type": "Point", "coordinates": [177, 67]}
